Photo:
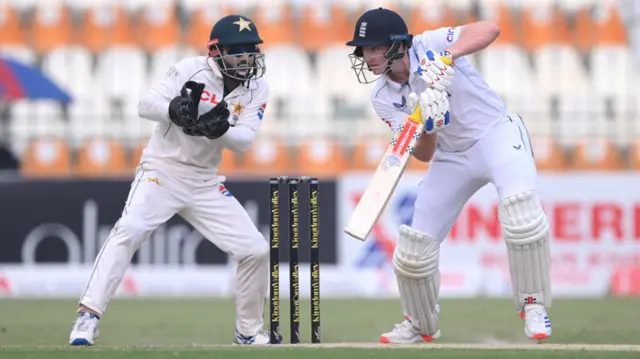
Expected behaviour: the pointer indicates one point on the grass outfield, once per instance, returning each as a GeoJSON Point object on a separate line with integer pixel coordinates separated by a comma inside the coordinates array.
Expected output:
{"type": "Point", "coordinates": [423, 352]}
{"type": "Point", "coordinates": [484, 328]}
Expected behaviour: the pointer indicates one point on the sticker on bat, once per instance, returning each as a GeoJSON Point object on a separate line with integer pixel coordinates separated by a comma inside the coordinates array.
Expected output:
{"type": "Point", "coordinates": [391, 161]}
{"type": "Point", "coordinates": [404, 139]}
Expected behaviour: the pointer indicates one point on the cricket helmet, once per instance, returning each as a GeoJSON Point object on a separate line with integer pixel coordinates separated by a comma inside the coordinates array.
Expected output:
{"type": "Point", "coordinates": [379, 27]}
{"type": "Point", "coordinates": [233, 44]}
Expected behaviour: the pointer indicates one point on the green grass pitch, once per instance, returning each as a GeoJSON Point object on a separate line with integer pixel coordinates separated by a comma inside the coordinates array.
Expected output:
{"type": "Point", "coordinates": [204, 328]}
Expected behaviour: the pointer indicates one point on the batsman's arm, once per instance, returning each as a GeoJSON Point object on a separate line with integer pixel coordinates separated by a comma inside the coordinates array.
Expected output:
{"type": "Point", "coordinates": [154, 105]}
{"type": "Point", "coordinates": [472, 38]}
{"type": "Point", "coordinates": [241, 134]}
{"type": "Point", "coordinates": [425, 147]}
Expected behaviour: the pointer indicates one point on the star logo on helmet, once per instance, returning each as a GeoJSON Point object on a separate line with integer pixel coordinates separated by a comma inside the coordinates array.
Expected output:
{"type": "Point", "coordinates": [243, 24]}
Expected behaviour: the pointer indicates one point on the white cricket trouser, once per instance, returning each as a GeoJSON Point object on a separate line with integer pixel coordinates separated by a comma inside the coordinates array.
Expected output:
{"type": "Point", "coordinates": [154, 198]}
{"type": "Point", "coordinates": [502, 157]}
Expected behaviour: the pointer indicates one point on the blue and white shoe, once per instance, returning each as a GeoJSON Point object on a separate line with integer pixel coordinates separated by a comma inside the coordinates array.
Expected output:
{"type": "Point", "coordinates": [262, 338]}
{"type": "Point", "coordinates": [85, 330]}
{"type": "Point", "coordinates": [537, 324]}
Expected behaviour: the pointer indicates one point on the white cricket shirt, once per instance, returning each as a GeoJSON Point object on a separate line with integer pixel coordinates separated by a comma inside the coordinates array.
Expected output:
{"type": "Point", "coordinates": [473, 105]}
{"type": "Point", "coordinates": [170, 148]}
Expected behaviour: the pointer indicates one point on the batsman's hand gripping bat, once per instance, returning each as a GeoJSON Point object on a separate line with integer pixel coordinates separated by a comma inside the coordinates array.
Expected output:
{"type": "Point", "coordinates": [430, 115]}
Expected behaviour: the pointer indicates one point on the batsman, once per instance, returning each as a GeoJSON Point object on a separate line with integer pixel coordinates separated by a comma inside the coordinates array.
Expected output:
{"type": "Point", "coordinates": [470, 140]}
{"type": "Point", "coordinates": [203, 106]}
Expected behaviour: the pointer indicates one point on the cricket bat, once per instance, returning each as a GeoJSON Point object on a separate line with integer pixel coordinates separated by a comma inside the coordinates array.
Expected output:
{"type": "Point", "coordinates": [385, 178]}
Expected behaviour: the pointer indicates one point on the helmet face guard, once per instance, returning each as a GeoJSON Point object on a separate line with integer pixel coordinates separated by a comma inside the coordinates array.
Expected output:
{"type": "Point", "coordinates": [240, 62]}
{"type": "Point", "coordinates": [364, 72]}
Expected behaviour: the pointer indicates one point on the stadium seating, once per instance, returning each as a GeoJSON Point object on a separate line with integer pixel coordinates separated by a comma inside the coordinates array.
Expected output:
{"type": "Point", "coordinates": [321, 158]}
{"type": "Point", "coordinates": [159, 27]}
{"type": "Point", "coordinates": [323, 25]}
{"type": "Point", "coordinates": [543, 26]}
{"type": "Point", "coordinates": [548, 154]}
{"type": "Point", "coordinates": [51, 27]}
{"type": "Point", "coordinates": [47, 157]}
{"type": "Point", "coordinates": [565, 66]}
{"type": "Point", "coordinates": [33, 120]}
{"type": "Point", "coordinates": [634, 155]}
{"type": "Point", "coordinates": [101, 158]}
{"type": "Point", "coordinates": [596, 154]}
{"type": "Point", "coordinates": [267, 157]}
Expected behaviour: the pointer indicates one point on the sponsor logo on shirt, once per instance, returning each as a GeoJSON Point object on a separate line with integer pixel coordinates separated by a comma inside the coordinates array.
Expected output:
{"type": "Point", "coordinates": [450, 34]}
{"type": "Point", "coordinates": [208, 97]}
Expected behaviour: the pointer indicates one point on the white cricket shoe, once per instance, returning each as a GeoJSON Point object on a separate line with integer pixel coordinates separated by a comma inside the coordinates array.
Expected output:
{"type": "Point", "coordinates": [537, 324]}
{"type": "Point", "coordinates": [262, 338]}
{"type": "Point", "coordinates": [85, 329]}
{"type": "Point", "coordinates": [407, 333]}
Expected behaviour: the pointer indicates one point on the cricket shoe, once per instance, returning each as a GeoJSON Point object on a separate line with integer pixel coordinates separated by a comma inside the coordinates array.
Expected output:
{"type": "Point", "coordinates": [262, 338]}
{"type": "Point", "coordinates": [407, 333]}
{"type": "Point", "coordinates": [537, 325]}
{"type": "Point", "coordinates": [85, 329]}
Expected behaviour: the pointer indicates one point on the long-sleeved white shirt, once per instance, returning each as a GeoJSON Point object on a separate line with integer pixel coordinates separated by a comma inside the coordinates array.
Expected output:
{"type": "Point", "coordinates": [171, 149]}
{"type": "Point", "coordinates": [473, 105]}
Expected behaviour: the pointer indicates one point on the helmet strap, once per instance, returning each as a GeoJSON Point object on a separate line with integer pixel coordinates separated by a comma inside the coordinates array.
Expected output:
{"type": "Point", "coordinates": [214, 49]}
{"type": "Point", "coordinates": [394, 52]}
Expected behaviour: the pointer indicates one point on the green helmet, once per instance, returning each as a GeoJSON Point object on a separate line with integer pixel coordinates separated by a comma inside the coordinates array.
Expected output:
{"type": "Point", "coordinates": [233, 43]}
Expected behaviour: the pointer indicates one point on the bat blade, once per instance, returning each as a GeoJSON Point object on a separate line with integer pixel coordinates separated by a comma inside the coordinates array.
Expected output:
{"type": "Point", "coordinates": [384, 180]}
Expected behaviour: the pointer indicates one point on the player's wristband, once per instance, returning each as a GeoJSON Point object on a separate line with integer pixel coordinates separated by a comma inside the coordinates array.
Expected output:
{"type": "Point", "coordinates": [446, 57]}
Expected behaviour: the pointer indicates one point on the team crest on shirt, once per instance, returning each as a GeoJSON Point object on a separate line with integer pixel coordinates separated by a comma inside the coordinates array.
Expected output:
{"type": "Point", "coordinates": [402, 104]}
{"type": "Point", "coordinates": [225, 192]}
{"type": "Point", "coordinates": [237, 109]}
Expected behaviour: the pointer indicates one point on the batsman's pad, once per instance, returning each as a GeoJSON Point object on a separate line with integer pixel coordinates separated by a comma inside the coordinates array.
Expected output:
{"type": "Point", "coordinates": [415, 262]}
{"type": "Point", "coordinates": [526, 233]}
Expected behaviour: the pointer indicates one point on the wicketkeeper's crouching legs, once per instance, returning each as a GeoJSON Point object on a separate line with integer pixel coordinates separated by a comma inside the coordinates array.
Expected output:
{"type": "Point", "coordinates": [220, 218]}
{"type": "Point", "coordinates": [153, 199]}
{"type": "Point", "coordinates": [112, 262]}
{"type": "Point", "coordinates": [526, 233]}
{"type": "Point", "coordinates": [252, 284]}
{"type": "Point", "coordinates": [212, 211]}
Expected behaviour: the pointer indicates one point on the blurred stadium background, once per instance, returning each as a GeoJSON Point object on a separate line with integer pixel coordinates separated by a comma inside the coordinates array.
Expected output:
{"type": "Point", "coordinates": [570, 68]}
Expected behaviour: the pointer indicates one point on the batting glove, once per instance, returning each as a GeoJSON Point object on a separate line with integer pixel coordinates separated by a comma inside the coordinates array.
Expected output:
{"type": "Point", "coordinates": [437, 69]}
{"type": "Point", "coordinates": [432, 107]}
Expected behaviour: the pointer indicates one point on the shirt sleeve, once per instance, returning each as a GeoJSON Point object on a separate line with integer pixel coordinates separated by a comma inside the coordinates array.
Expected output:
{"type": "Point", "coordinates": [391, 116]}
{"type": "Point", "coordinates": [154, 105]}
{"type": "Point", "coordinates": [441, 39]}
{"type": "Point", "coordinates": [240, 136]}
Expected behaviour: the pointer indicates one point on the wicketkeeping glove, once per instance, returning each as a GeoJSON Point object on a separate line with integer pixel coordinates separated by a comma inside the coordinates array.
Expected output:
{"type": "Point", "coordinates": [434, 108]}
{"type": "Point", "coordinates": [437, 69]}
{"type": "Point", "coordinates": [183, 109]}
{"type": "Point", "coordinates": [179, 110]}
{"type": "Point", "coordinates": [213, 123]}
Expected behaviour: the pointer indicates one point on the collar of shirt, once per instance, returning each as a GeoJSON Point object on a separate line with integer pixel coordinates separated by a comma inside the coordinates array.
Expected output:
{"type": "Point", "coordinates": [414, 61]}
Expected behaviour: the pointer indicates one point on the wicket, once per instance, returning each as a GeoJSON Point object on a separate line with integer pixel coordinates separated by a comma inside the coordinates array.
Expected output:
{"type": "Point", "coordinates": [294, 240]}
